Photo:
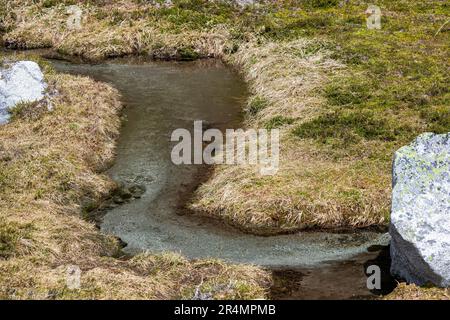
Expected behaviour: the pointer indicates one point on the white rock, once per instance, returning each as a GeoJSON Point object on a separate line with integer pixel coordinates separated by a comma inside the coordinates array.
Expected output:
{"type": "Point", "coordinates": [420, 217]}
{"type": "Point", "coordinates": [21, 81]}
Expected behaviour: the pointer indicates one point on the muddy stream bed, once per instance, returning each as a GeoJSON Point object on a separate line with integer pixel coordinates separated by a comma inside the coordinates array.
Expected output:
{"type": "Point", "coordinates": [160, 97]}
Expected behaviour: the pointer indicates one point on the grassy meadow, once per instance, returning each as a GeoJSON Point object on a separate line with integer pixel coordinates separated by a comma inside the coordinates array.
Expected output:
{"type": "Point", "coordinates": [344, 97]}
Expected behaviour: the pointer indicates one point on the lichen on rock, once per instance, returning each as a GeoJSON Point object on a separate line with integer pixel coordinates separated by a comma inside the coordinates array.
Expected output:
{"type": "Point", "coordinates": [420, 217]}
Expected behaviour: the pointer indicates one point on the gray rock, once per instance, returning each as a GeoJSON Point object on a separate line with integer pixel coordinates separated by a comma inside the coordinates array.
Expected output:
{"type": "Point", "coordinates": [420, 217]}
{"type": "Point", "coordinates": [21, 81]}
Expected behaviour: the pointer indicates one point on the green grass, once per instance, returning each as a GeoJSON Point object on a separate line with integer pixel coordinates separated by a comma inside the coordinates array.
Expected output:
{"type": "Point", "coordinates": [438, 118]}
{"type": "Point", "coordinates": [187, 54]}
{"type": "Point", "coordinates": [277, 122]}
{"type": "Point", "coordinates": [256, 105]}
{"type": "Point", "coordinates": [352, 126]}
{"type": "Point", "coordinates": [396, 82]}
{"type": "Point", "coordinates": [183, 15]}
{"type": "Point", "coordinates": [392, 85]}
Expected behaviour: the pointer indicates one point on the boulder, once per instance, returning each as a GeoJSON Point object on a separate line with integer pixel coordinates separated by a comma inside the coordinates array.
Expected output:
{"type": "Point", "coordinates": [420, 216]}
{"type": "Point", "coordinates": [21, 81]}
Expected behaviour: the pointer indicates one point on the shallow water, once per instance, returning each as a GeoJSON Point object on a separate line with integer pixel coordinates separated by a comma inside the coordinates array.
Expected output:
{"type": "Point", "coordinates": [162, 96]}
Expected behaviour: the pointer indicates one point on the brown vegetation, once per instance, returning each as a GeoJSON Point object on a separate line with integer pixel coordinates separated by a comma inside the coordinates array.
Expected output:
{"type": "Point", "coordinates": [49, 172]}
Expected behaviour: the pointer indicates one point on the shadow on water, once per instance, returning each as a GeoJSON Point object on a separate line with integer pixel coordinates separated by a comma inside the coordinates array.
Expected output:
{"type": "Point", "coordinates": [334, 280]}
{"type": "Point", "coordinates": [382, 260]}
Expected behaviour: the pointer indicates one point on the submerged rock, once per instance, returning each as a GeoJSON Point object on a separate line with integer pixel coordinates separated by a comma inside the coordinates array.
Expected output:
{"type": "Point", "coordinates": [420, 217]}
{"type": "Point", "coordinates": [21, 81]}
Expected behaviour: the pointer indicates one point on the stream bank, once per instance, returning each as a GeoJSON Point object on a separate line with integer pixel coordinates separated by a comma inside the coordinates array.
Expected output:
{"type": "Point", "coordinates": [162, 96]}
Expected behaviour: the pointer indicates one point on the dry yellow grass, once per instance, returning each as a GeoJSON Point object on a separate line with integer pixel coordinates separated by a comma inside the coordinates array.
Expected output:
{"type": "Point", "coordinates": [313, 188]}
{"type": "Point", "coordinates": [413, 292]}
{"type": "Point", "coordinates": [49, 169]}
{"type": "Point", "coordinates": [101, 38]}
{"type": "Point", "coordinates": [317, 185]}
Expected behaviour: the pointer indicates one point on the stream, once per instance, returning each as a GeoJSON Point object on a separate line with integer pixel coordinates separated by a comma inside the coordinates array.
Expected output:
{"type": "Point", "coordinates": [160, 97]}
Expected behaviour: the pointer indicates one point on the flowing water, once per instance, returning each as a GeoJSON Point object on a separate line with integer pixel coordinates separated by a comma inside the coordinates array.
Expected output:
{"type": "Point", "coordinates": [162, 96]}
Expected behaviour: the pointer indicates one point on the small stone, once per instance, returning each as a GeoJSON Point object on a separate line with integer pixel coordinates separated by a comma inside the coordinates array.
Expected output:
{"type": "Point", "coordinates": [125, 194]}
{"type": "Point", "coordinates": [137, 191]}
